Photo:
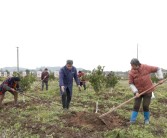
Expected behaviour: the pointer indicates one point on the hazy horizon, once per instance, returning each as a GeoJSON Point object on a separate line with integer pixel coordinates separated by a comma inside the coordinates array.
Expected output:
{"type": "Point", "coordinates": [54, 67]}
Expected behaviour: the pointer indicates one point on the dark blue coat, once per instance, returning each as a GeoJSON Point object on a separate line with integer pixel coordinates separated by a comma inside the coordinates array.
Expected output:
{"type": "Point", "coordinates": [66, 78]}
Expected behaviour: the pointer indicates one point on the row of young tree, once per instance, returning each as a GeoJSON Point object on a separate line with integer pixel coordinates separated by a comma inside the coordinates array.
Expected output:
{"type": "Point", "coordinates": [98, 78]}
{"type": "Point", "coordinates": [30, 78]}
{"type": "Point", "coordinates": [101, 80]}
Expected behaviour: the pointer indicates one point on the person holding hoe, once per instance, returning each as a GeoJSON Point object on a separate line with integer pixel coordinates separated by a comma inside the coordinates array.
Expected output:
{"type": "Point", "coordinates": [11, 85]}
{"type": "Point", "coordinates": [66, 75]}
{"type": "Point", "coordinates": [139, 81]}
{"type": "Point", "coordinates": [45, 78]}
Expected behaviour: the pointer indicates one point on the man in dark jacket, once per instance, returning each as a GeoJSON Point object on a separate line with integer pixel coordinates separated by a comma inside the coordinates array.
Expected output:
{"type": "Point", "coordinates": [11, 85]}
{"type": "Point", "coordinates": [45, 78]}
{"type": "Point", "coordinates": [66, 75]}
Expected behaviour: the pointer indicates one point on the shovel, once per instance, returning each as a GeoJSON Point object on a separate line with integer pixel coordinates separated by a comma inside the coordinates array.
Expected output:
{"type": "Point", "coordinates": [102, 117]}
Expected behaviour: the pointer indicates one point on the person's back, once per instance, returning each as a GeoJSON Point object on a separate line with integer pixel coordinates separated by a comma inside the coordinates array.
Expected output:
{"type": "Point", "coordinates": [11, 85]}
{"type": "Point", "coordinates": [9, 82]}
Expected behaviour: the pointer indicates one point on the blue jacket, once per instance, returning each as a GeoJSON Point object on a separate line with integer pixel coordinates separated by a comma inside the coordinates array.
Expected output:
{"type": "Point", "coordinates": [66, 78]}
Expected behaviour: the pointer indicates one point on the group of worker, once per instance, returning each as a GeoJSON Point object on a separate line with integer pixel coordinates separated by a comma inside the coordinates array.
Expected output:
{"type": "Point", "coordinates": [139, 81]}
{"type": "Point", "coordinates": [11, 84]}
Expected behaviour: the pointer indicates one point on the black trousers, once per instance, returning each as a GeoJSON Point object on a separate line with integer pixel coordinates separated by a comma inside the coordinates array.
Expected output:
{"type": "Point", "coordinates": [66, 98]}
{"type": "Point", "coordinates": [146, 102]}
{"type": "Point", "coordinates": [46, 83]}
{"type": "Point", "coordinates": [83, 84]}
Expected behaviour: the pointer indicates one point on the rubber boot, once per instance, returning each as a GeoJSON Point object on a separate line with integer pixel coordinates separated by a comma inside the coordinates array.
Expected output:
{"type": "Point", "coordinates": [146, 117]}
{"type": "Point", "coordinates": [133, 117]}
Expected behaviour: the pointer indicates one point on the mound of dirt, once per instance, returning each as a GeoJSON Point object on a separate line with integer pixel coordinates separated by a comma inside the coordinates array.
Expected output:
{"type": "Point", "coordinates": [87, 123]}
{"type": "Point", "coordinates": [113, 120]}
{"type": "Point", "coordinates": [54, 130]}
{"type": "Point", "coordinates": [92, 121]}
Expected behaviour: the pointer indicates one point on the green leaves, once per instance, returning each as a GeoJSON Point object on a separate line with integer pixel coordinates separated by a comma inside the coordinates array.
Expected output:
{"type": "Point", "coordinates": [101, 80]}
{"type": "Point", "coordinates": [111, 80]}
{"type": "Point", "coordinates": [97, 78]}
{"type": "Point", "coordinates": [154, 78]}
{"type": "Point", "coordinates": [26, 82]}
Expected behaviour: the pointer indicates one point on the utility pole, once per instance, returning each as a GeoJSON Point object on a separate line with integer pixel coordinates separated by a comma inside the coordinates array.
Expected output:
{"type": "Point", "coordinates": [137, 50]}
{"type": "Point", "coordinates": [17, 59]}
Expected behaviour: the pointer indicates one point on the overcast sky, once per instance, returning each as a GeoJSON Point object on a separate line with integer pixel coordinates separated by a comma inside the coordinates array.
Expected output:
{"type": "Point", "coordinates": [91, 32]}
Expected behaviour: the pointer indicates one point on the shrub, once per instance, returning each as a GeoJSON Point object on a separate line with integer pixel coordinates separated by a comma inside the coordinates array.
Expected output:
{"type": "Point", "coordinates": [111, 80]}
{"type": "Point", "coordinates": [51, 76]}
{"type": "Point", "coordinates": [154, 78]}
{"type": "Point", "coordinates": [27, 81]}
{"type": "Point", "coordinates": [97, 78]}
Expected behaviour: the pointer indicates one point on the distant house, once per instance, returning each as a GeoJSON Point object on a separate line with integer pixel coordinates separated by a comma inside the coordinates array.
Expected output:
{"type": "Point", "coordinates": [164, 72]}
{"type": "Point", "coordinates": [56, 74]}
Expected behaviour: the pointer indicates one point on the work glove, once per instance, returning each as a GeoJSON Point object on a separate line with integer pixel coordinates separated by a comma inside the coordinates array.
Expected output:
{"type": "Point", "coordinates": [62, 89]}
{"type": "Point", "coordinates": [153, 96]}
{"type": "Point", "coordinates": [137, 95]}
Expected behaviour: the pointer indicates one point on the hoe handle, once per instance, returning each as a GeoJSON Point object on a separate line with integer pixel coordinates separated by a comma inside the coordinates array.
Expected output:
{"type": "Point", "coordinates": [30, 96]}
{"type": "Point", "coordinates": [112, 109]}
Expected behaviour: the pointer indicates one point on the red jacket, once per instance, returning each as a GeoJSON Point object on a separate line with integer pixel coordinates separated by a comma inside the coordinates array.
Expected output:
{"type": "Point", "coordinates": [81, 76]}
{"type": "Point", "coordinates": [141, 77]}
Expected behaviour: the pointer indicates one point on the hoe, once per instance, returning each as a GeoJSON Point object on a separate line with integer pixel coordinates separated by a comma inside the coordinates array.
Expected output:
{"type": "Point", "coordinates": [106, 116]}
